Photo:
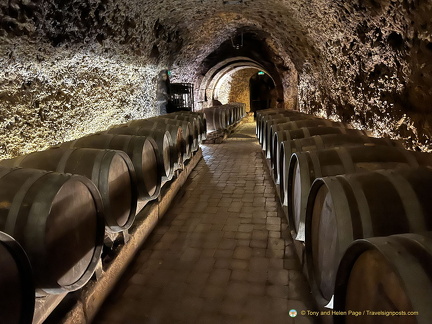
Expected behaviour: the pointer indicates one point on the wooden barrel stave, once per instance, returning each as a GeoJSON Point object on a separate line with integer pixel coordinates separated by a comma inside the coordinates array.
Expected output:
{"type": "Point", "coordinates": [273, 125]}
{"type": "Point", "coordinates": [195, 127]}
{"type": "Point", "coordinates": [177, 150]}
{"type": "Point", "coordinates": [285, 153]}
{"type": "Point", "coordinates": [325, 141]}
{"type": "Point", "coordinates": [297, 124]}
{"type": "Point", "coordinates": [262, 120]}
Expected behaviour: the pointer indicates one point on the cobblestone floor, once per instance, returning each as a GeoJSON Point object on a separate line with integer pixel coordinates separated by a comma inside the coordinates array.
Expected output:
{"type": "Point", "coordinates": [222, 253]}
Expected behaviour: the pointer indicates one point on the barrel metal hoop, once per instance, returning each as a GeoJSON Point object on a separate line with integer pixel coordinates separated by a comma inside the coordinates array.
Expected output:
{"type": "Point", "coordinates": [346, 159]}
{"type": "Point", "coordinates": [61, 166]}
{"type": "Point", "coordinates": [363, 208]}
{"type": "Point", "coordinates": [17, 201]}
{"type": "Point", "coordinates": [409, 200]}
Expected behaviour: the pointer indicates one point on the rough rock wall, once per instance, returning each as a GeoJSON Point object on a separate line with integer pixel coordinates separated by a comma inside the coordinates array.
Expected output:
{"type": "Point", "coordinates": [235, 87]}
{"type": "Point", "coordinates": [240, 87]}
{"type": "Point", "coordinates": [372, 66]}
{"type": "Point", "coordinates": [71, 68]}
{"type": "Point", "coordinates": [74, 67]}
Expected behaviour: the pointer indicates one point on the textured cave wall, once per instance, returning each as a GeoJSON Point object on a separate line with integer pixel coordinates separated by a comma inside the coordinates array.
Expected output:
{"type": "Point", "coordinates": [234, 87]}
{"type": "Point", "coordinates": [74, 68]}
{"type": "Point", "coordinates": [372, 66]}
{"type": "Point", "coordinates": [240, 87]}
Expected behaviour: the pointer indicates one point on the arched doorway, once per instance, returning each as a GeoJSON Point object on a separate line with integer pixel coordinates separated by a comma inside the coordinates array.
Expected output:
{"type": "Point", "coordinates": [262, 92]}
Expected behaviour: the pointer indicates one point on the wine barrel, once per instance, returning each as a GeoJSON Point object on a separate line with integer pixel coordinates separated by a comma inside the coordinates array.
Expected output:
{"type": "Point", "coordinates": [189, 141]}
{"type": "Point", "coordinates": [111, 171]}
{"type": "Point", "coordinates": [322, 142]}
{"type": "Point", "coordinates": [229, 114]}
{"type": "Point", "coordinates": [195, 127]}
{"type": "Point", "coordinates": [58, 219]}
{"type": "Point", "coordinates": [142, 151]}
{"type": "Point", "coordinates": [17, 291]}
{"type": "Point", "coordinates": [386, 274]}
{"type": "Point", "coordinates": [163, 140]}
{"type": "Point", "coordinates": [305, 167]}
{"type": "Point", "coordinates": [215, 118]}
{"type": "Point", "coordinates": [296, 124]}
{"type": "Point", "coordinates": [148, 127]}
{"type": "Point", "coordinates": [201, 118]}
{"type": "Point", "coordinates": [178, 147]}
{"type": "Point", "coordinates": [304, 132]}
{"type": "Point", "coordinates": [278, 124]}
{"type": "Point", "coordinates": [263, 119]}
{"type": "Point", "coordinates": [344, 208]}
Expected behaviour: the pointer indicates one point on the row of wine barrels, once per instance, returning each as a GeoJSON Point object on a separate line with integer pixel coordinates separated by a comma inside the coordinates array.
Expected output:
{"type": "Point", "coordinates": [201, 117]}
{"type": "Point", "coordinates": [305, 167]}
{"type": "Point", "coordinates": [168, 146]}
{"type": "Point", "coordinates": [163, 141]}
{"type": "Point", "coordinates": [386, 275]}
{"type": "Point", "coordinates": [189, 130]}
{"type": "Point", "coordinates": [293, 125]}
{"type": "Point", "coordinates": [264, 115]}
{"type": "Point", "coordinates": [58, 219]}
{"type": "Point", "coordinates": [220, 117]}
{"type": "Point", "coordinates": [215, 118]}
{"type": "Point", "coordinates": [17, 291]}
{"type": "Point", "coordinates": [287, 148]}
{"type": "Point", "coordinates": [280, 136]}
{"type": "Point", "coordinates": [347, 207]}
{"type": "Point", "coordinates": [196, 120]}
{"type": "Point", "coordinates": [194, 127]}
{"type": "Point", "coordinates": [112, 172]}
{"type": "Point", "coordinates": [142, 151]}
{"type": "Point", "coordinates": [178, 148]}
{"type": "Point", "coordinates": [275, 124]}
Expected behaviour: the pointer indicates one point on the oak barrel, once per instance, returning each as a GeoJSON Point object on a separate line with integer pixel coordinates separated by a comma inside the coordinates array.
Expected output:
{"type": "Point", "coordinates": [196, 126]}
{"type": "Point", "coordinates": [320, 142]}
{"type": "Point", "coordinates": [58, 219]}
{"type": "Point", "coordinates": [142, 151]}
{"type": "Point", "coordinates": [145, 127]}
{"type": "Point", "coordinates": [347, 207]}
{"type": "Point", "coordinates": [112, 172]}
{"type": "Point", "coordinates": [199, 115]}
{"type": "Point", "coordinates": [304, 132]}
{"type": "Point", "coordinates": [273, 125]}
{"type": "Point", "coordinates": [17, 291]}
{"type": "Point", "coordinates": [262, 119]}
{"type": "Point", "coordinates": [305, 167]}
{"type": "Point", "coordinates": [215, 118]}
{"type": "Point", "coordinates": [189, 140]}
{"type": "Point", "coordinates": [163, 140]}
{"type": "Point", "coordinates": [386, 274]}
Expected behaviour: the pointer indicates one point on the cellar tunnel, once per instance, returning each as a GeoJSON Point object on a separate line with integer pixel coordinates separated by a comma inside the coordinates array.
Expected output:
{"type": "Point", "coordinates": [73, 68]}
{"type": "Point", "coordinates": [80, 67]}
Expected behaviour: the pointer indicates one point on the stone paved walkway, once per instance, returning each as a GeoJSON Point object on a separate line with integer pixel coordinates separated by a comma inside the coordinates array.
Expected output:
{"type": "Point", "coordinates": [222, 253]}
